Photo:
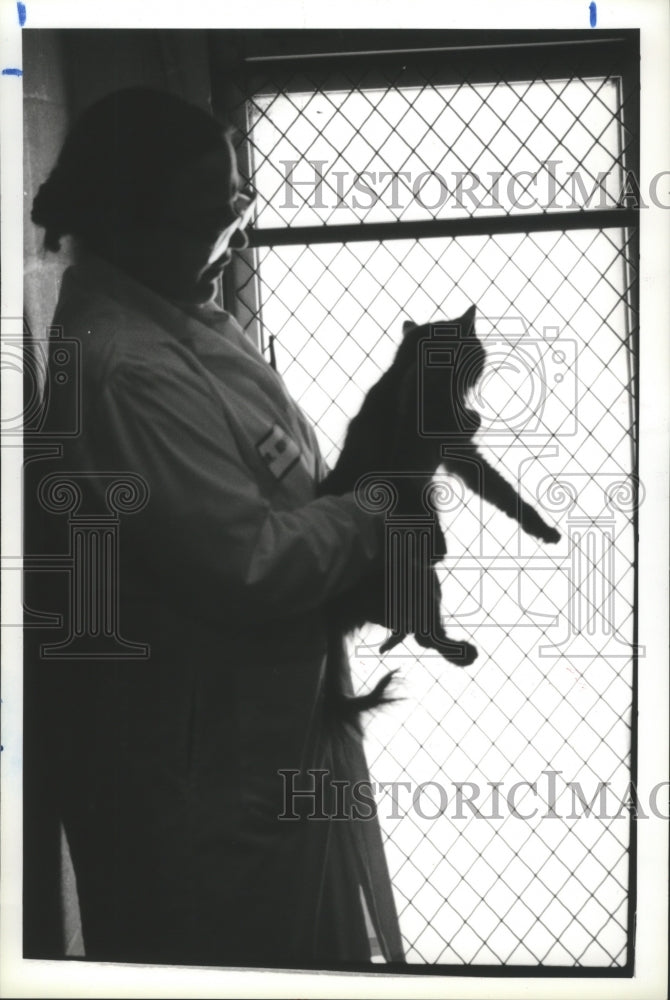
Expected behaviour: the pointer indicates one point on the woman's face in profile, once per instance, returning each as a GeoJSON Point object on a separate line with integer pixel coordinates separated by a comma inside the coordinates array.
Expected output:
{"type": "Point", "coordinates": [183, 253]}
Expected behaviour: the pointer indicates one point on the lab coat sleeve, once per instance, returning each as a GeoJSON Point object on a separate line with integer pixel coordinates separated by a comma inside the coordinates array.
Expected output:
{"type": "Point", "coordinates": [207, 524]}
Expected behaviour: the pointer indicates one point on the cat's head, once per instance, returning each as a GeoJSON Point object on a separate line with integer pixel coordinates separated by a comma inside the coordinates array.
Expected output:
{"type": "Point", "coordinates": [452, 361]}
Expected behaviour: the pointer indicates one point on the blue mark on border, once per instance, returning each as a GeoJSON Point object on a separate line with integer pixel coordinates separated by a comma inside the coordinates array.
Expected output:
{"type": "Point", "coordinates": [593, 14]}
{"type": "Point", "coordinates": [12, 71]}
{"type": "Point", "coordinates": [21, 7]}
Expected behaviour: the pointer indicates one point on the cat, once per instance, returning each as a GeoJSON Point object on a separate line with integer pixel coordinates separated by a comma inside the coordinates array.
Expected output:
{"type": "Point", "coordinates": [388, 435]}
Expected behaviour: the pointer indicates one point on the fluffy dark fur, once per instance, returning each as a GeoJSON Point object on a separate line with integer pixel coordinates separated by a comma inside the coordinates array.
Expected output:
{"type": "Point", "coordinates": [385, 438]}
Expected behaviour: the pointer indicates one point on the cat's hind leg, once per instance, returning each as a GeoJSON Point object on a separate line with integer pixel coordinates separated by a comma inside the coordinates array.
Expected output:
{"type": "Point", "coordinates": [461, 654]}
{"type": "Point", "coordinates": [430, 633]}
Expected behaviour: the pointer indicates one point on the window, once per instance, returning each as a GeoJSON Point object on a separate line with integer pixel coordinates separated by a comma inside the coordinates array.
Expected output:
{"type": "Point", "coordinates": [409, 184]}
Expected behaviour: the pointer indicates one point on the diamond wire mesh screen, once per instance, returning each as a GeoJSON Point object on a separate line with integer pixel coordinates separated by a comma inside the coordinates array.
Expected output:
{"type": "Point", "coordinates": [548, 703]}
{"type": "Point", "coordinates": [461, 145]}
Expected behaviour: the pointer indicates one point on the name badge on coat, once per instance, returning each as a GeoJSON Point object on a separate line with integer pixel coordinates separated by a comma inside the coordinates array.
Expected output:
{"type": "Point", "coordinates": [278, 451]}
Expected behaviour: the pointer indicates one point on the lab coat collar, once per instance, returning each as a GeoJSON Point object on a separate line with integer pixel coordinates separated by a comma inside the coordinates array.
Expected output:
{"type": "Point", "coordinates": [209, 331]}
{"type": "Point", "coordinates": [186, 323]}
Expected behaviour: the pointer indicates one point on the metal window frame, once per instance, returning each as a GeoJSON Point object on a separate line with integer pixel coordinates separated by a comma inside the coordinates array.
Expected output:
{"type": "Point", "coordinates": [244, 61]}
{"type": "Point", "coordinates": [247, 61]}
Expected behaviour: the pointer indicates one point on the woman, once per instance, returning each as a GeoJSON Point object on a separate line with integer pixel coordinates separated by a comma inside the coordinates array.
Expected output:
{"type": "Point", "coordinates": [176, 776]}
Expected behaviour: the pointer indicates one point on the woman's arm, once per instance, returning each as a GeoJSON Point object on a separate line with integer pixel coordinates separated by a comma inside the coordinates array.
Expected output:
{"type": "Point", "coordinates": [207, 525]}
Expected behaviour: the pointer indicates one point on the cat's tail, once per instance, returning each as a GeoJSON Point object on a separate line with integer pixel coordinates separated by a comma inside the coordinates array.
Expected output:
{"type": "Point", "coordinates": [350, 708]}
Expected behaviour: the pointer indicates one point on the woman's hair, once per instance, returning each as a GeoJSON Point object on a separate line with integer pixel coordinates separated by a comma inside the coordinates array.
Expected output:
{"type": "Point", "coordinates": [115, 159]}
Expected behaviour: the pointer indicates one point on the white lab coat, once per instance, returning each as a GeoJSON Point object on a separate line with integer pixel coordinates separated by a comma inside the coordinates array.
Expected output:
{"type": "Point", "coordinates": [167, 770]}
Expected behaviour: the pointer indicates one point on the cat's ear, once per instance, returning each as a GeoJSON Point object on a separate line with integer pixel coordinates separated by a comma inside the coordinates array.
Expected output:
{"type": "Point", "coordinates": [467, 322]}
{"type": "Point", "coordinates": [407, 327]}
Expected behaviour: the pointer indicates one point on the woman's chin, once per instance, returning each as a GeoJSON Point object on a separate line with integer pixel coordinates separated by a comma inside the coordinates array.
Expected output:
{"type": "Point", "coordinates": [217, 268]}
{"type": "Point", "coordinates": [202, 291]}
{"type": "Point", "coordinates": [207, 290]}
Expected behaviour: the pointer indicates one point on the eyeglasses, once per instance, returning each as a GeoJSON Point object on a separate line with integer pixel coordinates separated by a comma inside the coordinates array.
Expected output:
{"type": "Point", "coordinates": [217, 234]}
{"type": "Point", "coordinates": [244, 204]}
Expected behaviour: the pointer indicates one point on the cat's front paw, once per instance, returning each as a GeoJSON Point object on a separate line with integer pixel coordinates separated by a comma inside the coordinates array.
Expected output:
{"type": "Point", "coordinates": [469, 655]}
{"type": "Point", "coordinates": [533, 525]}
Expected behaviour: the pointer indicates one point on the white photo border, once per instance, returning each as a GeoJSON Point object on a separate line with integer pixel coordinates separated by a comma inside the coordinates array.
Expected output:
{"type": "Point", "coordinates": [23, 978]}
